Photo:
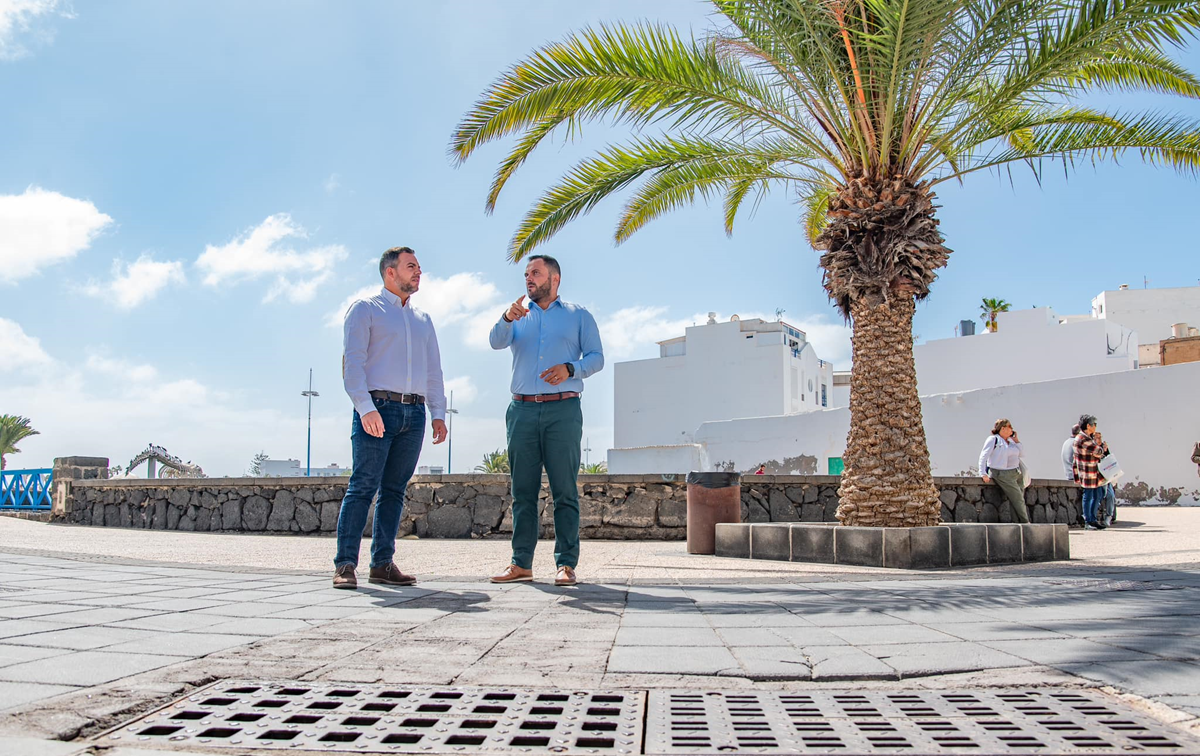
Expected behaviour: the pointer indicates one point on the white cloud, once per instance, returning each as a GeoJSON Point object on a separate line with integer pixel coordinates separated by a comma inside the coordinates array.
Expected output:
{"type": "Point", "coordinates": [830, 338]}
{"type": "Point", "coordinates": [332, 183]}
{"type": "Point", "coordinates": [19, 350]}
{"type": "Point", "coordinates": [264, 251]}
{"type": "Point", "coordinates": [137, 282]}
{"type": "Point", "coordinates": [122, 369]}
{"type": "Point", "coordinates": [630, 329]}
{"type": "Point", "coordinates": [464, 390]}
{"type": "Point", "coordinates": [20, 18]}
{"type": "Point", "coordinates": [39, 228]}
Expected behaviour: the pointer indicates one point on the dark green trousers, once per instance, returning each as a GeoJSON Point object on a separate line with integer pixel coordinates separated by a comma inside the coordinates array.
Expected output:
{"type": "Point", "coordinates": [545, 435]}
{"type": "Point", "coordinates": [1010, 483]}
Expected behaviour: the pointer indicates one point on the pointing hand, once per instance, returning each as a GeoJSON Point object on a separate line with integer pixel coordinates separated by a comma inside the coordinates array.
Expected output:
{"type": "Point", "coordinates": [517, 310]}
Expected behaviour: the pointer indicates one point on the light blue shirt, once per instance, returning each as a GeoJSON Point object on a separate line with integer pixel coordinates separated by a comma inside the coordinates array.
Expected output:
{"type": "Point", "coordinates": [389, 346]}
{"type": "Point", "coordinates": [561, 333]}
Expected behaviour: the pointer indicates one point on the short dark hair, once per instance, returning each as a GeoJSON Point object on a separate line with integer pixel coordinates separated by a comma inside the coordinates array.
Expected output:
{"type": "Point", "coordinates": [1085, 421]}
{"type": "Point", "coordinates": [1075, 430]}
{"type": "Point", "coordinates": [388, 259]}
{"type": "Point", "coordinates": [551, 263]}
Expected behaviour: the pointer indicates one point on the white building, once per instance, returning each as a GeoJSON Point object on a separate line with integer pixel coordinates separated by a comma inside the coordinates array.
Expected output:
{"type": "Point", "coordinates": [1150, 312]}
{"type": "Point", "coordinates": [717, 371]}
{"type": "Point", "coordinates": [1028, 346]}
{"type": "Point", "coordinates": [294, 468]}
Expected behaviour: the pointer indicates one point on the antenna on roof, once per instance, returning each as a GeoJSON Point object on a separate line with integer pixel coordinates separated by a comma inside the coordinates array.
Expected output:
{"type": "Point", "coordinates": [779, 314]}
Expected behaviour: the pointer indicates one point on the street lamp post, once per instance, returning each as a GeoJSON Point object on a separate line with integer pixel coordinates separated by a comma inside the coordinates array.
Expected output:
{"type": "Point", "coordinates": [310, 394]}
{"type": "Point", "coordinates": [587, 447]}
{"type": "Point", "coordinates": [450, 413]}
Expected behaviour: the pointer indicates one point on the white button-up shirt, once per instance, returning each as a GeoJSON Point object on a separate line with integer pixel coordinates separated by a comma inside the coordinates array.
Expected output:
{"type": "Point", "coordinates": [999, 454]}
{"type": "Point", "coordinates": [389, 346]}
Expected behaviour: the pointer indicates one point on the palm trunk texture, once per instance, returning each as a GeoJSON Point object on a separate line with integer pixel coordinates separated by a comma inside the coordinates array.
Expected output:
{"type": "Point", "coordinates": [887, 481]}
{"type": "Point", "coordinates": [883, 249]}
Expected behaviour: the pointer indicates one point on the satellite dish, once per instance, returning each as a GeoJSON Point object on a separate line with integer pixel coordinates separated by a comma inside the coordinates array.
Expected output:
{"type": "Point", "coordinates": [734, 319]}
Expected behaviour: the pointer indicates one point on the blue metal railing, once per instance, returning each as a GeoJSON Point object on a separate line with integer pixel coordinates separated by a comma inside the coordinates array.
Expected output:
{"type": "Point", "coordinates": [26, 490]}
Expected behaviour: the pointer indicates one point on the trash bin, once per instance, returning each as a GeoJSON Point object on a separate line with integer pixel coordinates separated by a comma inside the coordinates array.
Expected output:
{"type": "Point", "coordinates": [712, 497]}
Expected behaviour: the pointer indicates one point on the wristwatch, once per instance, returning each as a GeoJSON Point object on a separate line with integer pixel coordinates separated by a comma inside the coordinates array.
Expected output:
{"type": "Point", "coordinates": [570, 370]}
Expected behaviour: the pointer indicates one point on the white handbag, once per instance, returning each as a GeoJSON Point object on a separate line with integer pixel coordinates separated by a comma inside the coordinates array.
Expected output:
{"type": "Point", "coordinates": [1110, 468]}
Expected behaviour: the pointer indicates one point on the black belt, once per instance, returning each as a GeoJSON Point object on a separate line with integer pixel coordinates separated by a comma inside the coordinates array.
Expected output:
{"type": "Point", "coordinates": [392, 396]}
{"type": "Point", "coordinates": [539, 398]}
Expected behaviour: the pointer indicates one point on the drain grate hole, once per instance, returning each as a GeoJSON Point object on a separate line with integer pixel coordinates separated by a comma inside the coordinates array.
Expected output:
{"type": "Point", "coordinates": [1154, 740]}
{"type": "Point", "coordinates": [554, 697]}
{"type": "Point", "coordinates": [522, 740]}
{"type": "Point", "coordinates": [447, 695]}
{"type": "Point", "coordinates": [279, 735]}
{"type": "Point", "coordinates": [594, 743]}
{"type": "Point", "coordinates": [343, 693]}
{"type": "Point", "coordinates": [1087, 741]}
{"type": "Point", "coordinates": [406, 738]}
{"type": "Point", "coordinates": [417, 722]}
{"type": "Point", "coordinates": [292, 691]}
{"type": "Point", "coordinates": [486, 709]}
{"type": "Point", "coordinates": [218, 702]}
{"type": "Point", "coordinates": [376, 706]}
{"type": "Point", "coordinates": [219, 732]}
{"type": "Point", "coordinates": [534, 724]}
{"type": "Point", "coordinates": [245, 717]}
{"type": "Point", "coordinates": [434, 707]}
{"type": "Point", "coordinates": [243, 690]}
{"type": "Point", "coordinates": [326, 705]}
{"type": "Point", "coordinates": [478, 724]}
{"type": "Point", "coordinates": [599, 726]}
{"type": "Point", "coordinates": [360, 721]}
{"type": "Point", "coordinates": [607, 699]}
{"type": "Point", "coordinates": [303, 719]}
{"type": "Point", "coordinates": [160, 730]}
{"type": "Point", "coordinates": [545, 710]}
{"type": "Point", "coordinates": [340, 737]}
{"type": "Point", "coordinates": [271, 703]}
{"type": "Point", "coordinates": [499, 696]}
{"type": "Point", "coordinates": [1021, 741]}
{"type": "Point", "coordinates": [603, 711]}
{"type": "Point", "coordinates": [470, 740]}
{"type": "Point", "coordinates": [191, 715]}
{"type": "Point", "coordinates": [395, 694]}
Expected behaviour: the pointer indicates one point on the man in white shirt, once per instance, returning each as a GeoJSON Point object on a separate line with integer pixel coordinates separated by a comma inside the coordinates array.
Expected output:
{"type": "Point", "coordinates": [392, 370]}
{"type": "Point", "coordinates": [1068, 453]}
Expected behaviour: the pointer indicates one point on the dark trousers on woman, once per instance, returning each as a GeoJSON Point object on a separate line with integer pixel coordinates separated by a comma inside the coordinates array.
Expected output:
{"type": "Point", "coordinates": [1010, 483]}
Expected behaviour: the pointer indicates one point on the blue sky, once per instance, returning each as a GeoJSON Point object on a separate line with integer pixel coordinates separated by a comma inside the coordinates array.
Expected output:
{"type": "Point", "coordinates": [191, 191]}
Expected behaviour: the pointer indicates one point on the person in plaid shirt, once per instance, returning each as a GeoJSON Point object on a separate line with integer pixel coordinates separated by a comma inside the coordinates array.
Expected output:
{"type": "Point", "coordinates": [1089, 449]}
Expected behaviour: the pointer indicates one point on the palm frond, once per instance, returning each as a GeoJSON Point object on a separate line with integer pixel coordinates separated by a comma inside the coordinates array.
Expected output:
{"type": "Point", "coordinates": [816, 210]}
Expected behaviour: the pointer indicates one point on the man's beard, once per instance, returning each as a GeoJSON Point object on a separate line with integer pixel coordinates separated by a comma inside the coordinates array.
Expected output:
{"type": "Point", "coordinates": [408, 288]}
{"type": "Point", "coordinates": [540, 293]}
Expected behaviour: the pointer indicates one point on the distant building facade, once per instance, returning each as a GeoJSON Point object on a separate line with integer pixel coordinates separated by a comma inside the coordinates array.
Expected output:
{"type": "Point", "coordinates": [294, 468]}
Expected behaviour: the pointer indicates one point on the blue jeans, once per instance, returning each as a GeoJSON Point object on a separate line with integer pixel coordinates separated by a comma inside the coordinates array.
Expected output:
{"type": "Point", "coordinates": [1091, 500]}
{"type": "Point", "coordinates": [384, 465]}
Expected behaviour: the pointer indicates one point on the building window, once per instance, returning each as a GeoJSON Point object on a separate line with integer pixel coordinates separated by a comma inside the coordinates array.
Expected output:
{"type": "Point", "coordinates": [824, 399]}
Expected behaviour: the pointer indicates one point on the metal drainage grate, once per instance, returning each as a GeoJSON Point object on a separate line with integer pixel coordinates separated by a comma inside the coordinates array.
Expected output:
{"type": "Point", "coordinates": [395, 719]}
{"type": "Point", "coordinates": [1085, 584]}
{"type": "Point", "coordinates": [1043, 721]}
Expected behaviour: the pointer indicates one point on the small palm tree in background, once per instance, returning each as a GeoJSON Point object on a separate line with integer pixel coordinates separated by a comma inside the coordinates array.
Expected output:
{"type": "Point", "coordinates": [990, 309]}
{"type": "Point", "coordinates": [595, 468]}
{"type": "Point", "coordinates": [13, 429]}
{"type": "Point", "coordinates": [494, 462]}
{"type": "Point", "coordinates": [861, 108]}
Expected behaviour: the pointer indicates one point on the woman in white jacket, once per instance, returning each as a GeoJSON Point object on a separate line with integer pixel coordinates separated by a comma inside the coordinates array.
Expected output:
{"type": "Point", "coordinates": [1001, 460]}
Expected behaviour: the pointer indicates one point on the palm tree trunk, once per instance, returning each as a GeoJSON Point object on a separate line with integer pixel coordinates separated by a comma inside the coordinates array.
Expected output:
{"type": "Point", "coordinates": [887, 480]}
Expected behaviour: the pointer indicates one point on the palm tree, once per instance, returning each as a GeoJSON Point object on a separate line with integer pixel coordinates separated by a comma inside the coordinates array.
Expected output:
{"type": "Point", "coordinates": [990, 309]}
{"type": "Point", "coordinates": [494, 462]}
{"type": "Point", "coordinates": [13, 429]}
{"type": "Point", "coordinates": [595, 468]}
{"type": "Point", "coordinates": [862, 107]}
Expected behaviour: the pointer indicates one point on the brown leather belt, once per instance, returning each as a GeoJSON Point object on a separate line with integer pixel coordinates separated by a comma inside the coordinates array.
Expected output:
{"type": "Point", "coordinates": [539, 398]}
{"type": "Point", "coordinates": [392, 396]}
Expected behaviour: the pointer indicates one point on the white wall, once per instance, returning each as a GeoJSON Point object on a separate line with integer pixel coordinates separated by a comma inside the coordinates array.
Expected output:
{"type": "Point", "coordinates": [728, 370]}
{"type": "Point", "coordinates": [682, 458]}
{"type": "Point", "coordinates": [1028, 346]}
{"type": "Point", "coordinates": [1150, 419]}
{"type": "Point", "coordinates": [1150, 312]}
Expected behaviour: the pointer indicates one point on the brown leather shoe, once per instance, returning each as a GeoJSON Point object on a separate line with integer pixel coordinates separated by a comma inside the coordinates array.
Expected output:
{"type": "Point", "coordinates": [565, 576]}
{"type": "Point", "coordinates": [344, 577]}
{"type": "Point", "coordinates": [513, 574]}
{"type": "Point", "coordinates": [390, 575]}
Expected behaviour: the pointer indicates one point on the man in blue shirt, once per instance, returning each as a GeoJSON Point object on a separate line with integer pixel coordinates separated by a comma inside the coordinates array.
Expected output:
{"type": "Point", "coordinates": [555, 345]}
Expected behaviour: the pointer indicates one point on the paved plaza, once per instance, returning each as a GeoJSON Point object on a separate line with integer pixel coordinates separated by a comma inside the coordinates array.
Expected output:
{"type": "Point", "coordinates": [98, 625]}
